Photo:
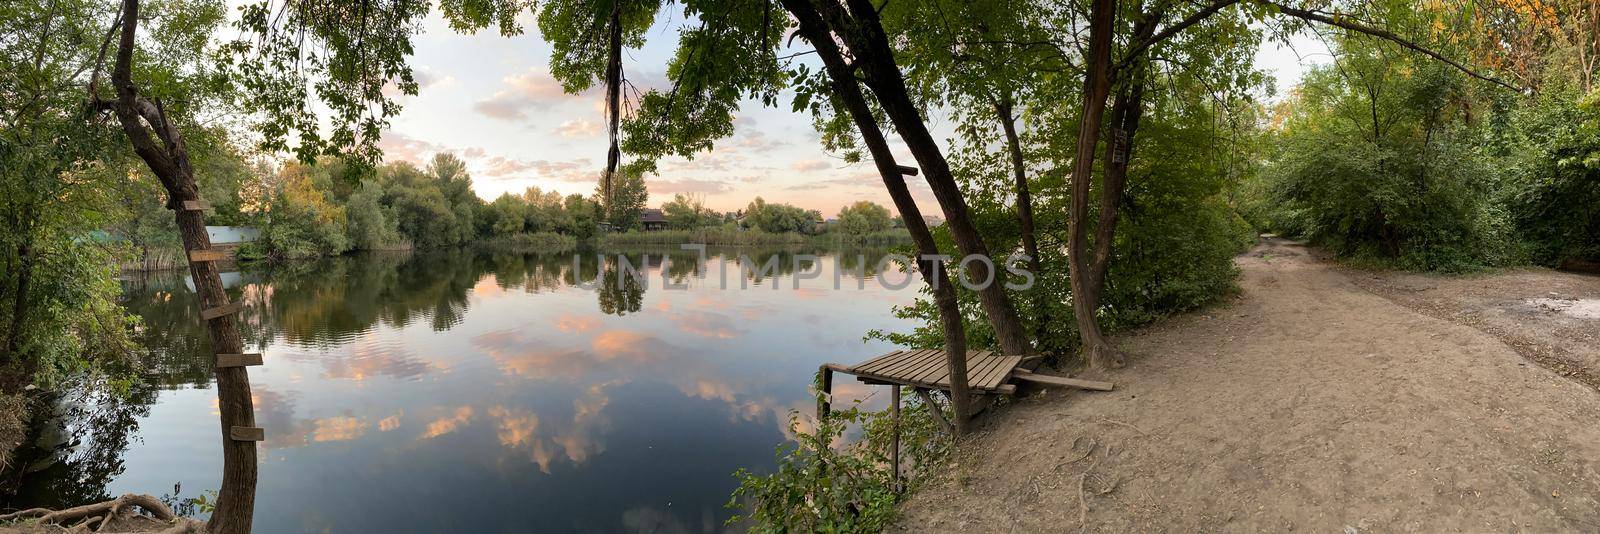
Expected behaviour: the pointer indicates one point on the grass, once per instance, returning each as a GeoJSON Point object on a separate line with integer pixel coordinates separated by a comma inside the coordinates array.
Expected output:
{"type": "Point", "coordinates": [537, 242]}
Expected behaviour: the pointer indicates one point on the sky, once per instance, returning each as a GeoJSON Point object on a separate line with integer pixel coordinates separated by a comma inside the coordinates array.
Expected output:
{"type": "Point", "coordinates": [491, 100]}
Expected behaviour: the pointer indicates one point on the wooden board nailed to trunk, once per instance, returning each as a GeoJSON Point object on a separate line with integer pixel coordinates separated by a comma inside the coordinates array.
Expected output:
{"type": "Point", "coordinates": [247, 433]}
{"type": "Point", "coordinates": [219, 311]}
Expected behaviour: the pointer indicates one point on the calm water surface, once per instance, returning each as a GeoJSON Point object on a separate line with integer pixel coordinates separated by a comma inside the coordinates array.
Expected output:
{"type": "Point", "coordinates": [484, 391]}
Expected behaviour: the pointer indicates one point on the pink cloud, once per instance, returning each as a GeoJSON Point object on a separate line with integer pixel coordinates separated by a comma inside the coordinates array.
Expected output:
{"type": "Point", "coordinates": [532, 90]}
{"type": "Point", "coordinates": [809, 165]}
{"type": "Point", "coordinates": [579, 129]}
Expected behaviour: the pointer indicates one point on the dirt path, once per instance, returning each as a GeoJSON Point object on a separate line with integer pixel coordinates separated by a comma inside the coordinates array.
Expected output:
{"type": "Point", "coordinates": [1308, 403]}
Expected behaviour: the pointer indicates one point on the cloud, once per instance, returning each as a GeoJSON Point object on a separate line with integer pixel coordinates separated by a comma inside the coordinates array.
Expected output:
{"type": "Point", "coordinates": [576, 324]}
{"type": "Point", "coordinates": [391, 422]}
{"type": "Point", "coordinates": [338, 429]}
{"type": "Point", "coordinates": [449, 423]}
{"type": "Point", "coordinates": [757, 141]}
{"type": "Point", "coordinates": [810, 165]}
{"type": "Point", "coordinates": [397, 146]}
{"type": "Point", "coordinates": [578, 171]}
{"type": "Point", "coordinates": [526, 92]}
{"type": "Point", "coordinates": [860, 179]}
{"type": "Point", "coordinates": [579, 129]}
{"type": "Point", "coordinates": [687, 185]}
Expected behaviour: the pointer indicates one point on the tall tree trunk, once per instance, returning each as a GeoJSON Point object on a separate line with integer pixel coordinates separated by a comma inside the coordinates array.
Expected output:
{"type": "Point", "coordinates": [848, 94]}
{"type": "Point", "coordinates": [1019, 171]}
{"type": "Point", "coordinates": [1096, 87]}
{"type": "Point", "coordinates": [1004, 112]}
{"type": "Point", "coordinates": [1125, 114]}
{"type": "Point", "coordinates": [613, 104]}
{"type": "Point", "coordinates": [169, 161]}
{"type": "Point", "coordinates": [869, 45]}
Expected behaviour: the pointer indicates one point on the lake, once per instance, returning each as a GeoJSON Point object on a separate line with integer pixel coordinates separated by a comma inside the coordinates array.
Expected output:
{"type": "Point", "coordinates": [471, 390]}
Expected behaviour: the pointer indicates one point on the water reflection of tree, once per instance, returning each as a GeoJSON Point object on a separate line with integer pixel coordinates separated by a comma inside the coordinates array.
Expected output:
{"type": "Point", "coordinates": [329, 302]}
{"type": "Point", "coordinates": [620, 292]}
{"type": "Point", "coordinates": [102, 425]}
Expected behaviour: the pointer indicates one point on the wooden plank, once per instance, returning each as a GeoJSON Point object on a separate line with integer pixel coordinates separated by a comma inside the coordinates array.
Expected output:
{"type": "Point", "coordinates": [997, 374]}
{"type": "Point", "coordinates": [219, 311]}
{"type": "Point", "coordinates": [207, 255]}
{"type": "Point", "coordinates": [1062, 381]}
{"type": "Point", "coordinates": [238, 360]}
{"type": "Point", "coordinates": [930, 375]}
{"type": "Point", "coordinates": [880, 361]}
{"type": "Point", "coordinates": [974, 360]}
{"type": "Point", "coordinates": [981, 366]}
{"type": "Point", "coordinates": [929, 366]}
{"type": "Point", "coordinates": [247, 433]}
{"type": "Point", "coordinates": [196, 205]}
{"type": "Point", "coordinates": [908, 361]}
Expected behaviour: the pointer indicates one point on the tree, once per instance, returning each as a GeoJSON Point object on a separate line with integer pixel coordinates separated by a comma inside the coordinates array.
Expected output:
{"type": "Point", "coordinates": [778, 218]}
{"type": "Point", "coordinates": [863, 217]}
{"type": "Point", "coordinates": [584, 215]}
{"type": "Point", "coordinates": [688, 212]}
{"type": "Point", "coordinates": [627, 200]}
{"type": "Point", "coordinates": [507, 215]}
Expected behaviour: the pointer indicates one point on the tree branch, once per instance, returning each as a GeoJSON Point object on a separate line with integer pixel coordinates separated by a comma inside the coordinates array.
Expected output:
{"type": "Point", "coordinates": [1144, 44]}
{"type": "Point", "coordinates": [1382, 34]}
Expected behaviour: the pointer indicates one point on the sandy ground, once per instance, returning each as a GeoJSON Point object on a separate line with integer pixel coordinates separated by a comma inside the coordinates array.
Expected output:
{"type": "Point", "coordinates": [1321, 400]}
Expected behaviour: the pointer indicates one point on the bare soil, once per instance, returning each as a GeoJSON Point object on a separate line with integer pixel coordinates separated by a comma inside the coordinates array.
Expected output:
{"type": "Point", "coordinates": [1320, 399]}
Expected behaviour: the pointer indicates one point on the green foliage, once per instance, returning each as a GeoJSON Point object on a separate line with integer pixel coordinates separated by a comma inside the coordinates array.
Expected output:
{"type": "Point", "coordinates": [294, 59]}
{"type": "Point", "coordinates": [863, 218]}
{"type": "Point", "coordinates": [59, 179]}
{"type": "Point", "coordinates": [368, 225]}
{"type": "Point", "coordinates": [823, 484]}
{"type": "Point", "coordinates": [546, 242]}
{"type": "Point", "coordinates": [1553, 194]}
{"type": "Point", "coordinates": [1378, 158]}
{"type": "Point", "coordinates": [780, 218]}
{"type": "Point", "coordinates": [685, 212]}
{"type": "Point", "coordinates": [628, 199]}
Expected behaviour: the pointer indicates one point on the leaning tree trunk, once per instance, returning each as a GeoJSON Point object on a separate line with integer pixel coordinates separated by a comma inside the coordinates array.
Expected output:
{"type": "Point", "coordinates": [862, 31]}
{"type": "Point", "coordinates": [169, 161]}
{"type": "Point", "coordinates": [1096, 87]}
{"type": "Point", "coordinates": [849, 94]}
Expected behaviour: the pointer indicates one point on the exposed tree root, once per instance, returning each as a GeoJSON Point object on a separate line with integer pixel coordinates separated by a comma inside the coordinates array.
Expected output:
{"type": "Point", "coordinates": [97, 517]}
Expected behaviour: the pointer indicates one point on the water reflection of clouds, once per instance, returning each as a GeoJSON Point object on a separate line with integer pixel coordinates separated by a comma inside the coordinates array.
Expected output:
{"type": "Point", "coordinates": [366, 357]}
{"type": "Point", "coordinates": [517, 428]}
{"type": "Point", "coordinates": [576, 324]}
{"type": "Point", "coordinates": [448, 423]}
{"type": "Point", "coordinates": [706, 324]}
{"type": "Point", "coordinates": [518, 354]}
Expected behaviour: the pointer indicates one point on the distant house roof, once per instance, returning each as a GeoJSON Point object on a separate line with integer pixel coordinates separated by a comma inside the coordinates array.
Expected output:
{"type": "Point", "coordinates": [652, 215]}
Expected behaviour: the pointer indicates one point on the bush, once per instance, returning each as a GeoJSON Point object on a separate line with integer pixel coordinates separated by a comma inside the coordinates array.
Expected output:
{"type": "Point", "coordinates": [533, 242]}
{"type": "Point", "coordinates": [1553, 197]}
{"type": "Point", "coordinates": [1401, 178]}
{"type": "Point", "coordinates": [821, 487]}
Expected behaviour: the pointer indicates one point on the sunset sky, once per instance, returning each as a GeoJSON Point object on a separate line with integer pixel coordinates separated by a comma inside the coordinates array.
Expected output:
{"type": "Point", "coordinates": [491, 100]}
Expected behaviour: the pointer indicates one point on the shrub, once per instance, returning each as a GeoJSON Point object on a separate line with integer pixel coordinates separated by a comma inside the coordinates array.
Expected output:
{"type": "Point", "coordinates": [819, 486]}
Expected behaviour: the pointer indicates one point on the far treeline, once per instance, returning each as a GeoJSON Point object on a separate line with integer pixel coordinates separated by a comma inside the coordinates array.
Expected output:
{"type": "Point", "coordinates": [1130, 147]}
{"type": "Point", "coordinates": [331, 207]}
